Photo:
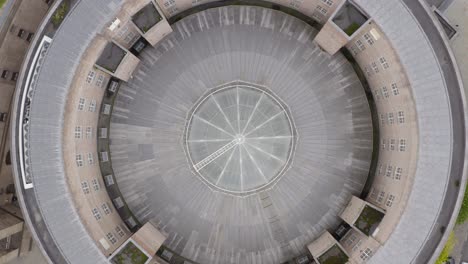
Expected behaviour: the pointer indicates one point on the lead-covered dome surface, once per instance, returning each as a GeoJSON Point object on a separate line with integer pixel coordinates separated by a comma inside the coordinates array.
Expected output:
{"type": "Point", "coordinates": [257, 46]}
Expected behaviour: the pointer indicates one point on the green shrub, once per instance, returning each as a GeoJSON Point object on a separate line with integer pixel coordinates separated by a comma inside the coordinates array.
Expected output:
{"type": "Point", "coordinates": [444, 255]}
{"type": "Point", "coordinates": [352, 28]}
{"type": "Point", "coordinates": [2, 2]}
{"type": "Point", "coordinates": [59, 14]}
{"type": "Point", "coordinates": [463, 215]}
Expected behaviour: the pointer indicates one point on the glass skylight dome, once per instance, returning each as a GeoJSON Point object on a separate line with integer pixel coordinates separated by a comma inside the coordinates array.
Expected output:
{"type": "Point", "coordinates": [239, 138]}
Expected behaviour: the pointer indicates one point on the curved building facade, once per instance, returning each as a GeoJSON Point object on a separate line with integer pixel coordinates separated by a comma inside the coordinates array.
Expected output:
{"type": "Point", "coordinates": [240, 132]}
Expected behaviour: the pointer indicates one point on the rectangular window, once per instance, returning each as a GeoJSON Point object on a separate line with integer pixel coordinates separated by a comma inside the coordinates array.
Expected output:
{"type": "Point", "coordinates": [382, 119]}
{"type": "Point", "coordinates": [390, 200]}
{"type": "Point", "coordinates": [358, 244]}
{"type": "Point", "coordinates": [374, 193]}
{"type": "Point", "coordinates": [384, 62]}
{"type": "Point", "coordinates": [380, 169]}
{"type": "Point", "coordinates": [79, 160]}
{"type": "Point", "coordinates": [81, 104]}
{"type": "Point", "coordinates": [360, 45]}
{"type": "Point", "coordinates": [111, 238]}
{"type": "Point", "coordinates": [109, 180]}
{"type": "Point", "coordinates": [381, 197]}
{"type": "Point", "coordinates": [389, 171]}
{"type": "Point", "coordinates": [369, 39]}
{"type": "Point", "coordinates": [401, 117]}
{"type": "Point", "coordinates": [395, 90]}
{"type": "Point", "coordinates": [14, 77]}
{"type": "Point", "coordinates": [90, 158]}
{"type": "Point", "coordinates": [385, 92]}
{"type": "Point", "coordinates": [295, 4]}
{"type": "Point", "coordinates": [85, 187]}
{"type": "Point", "coordinates": [21, 33]}
{"type": "Point", "coordinates": [173, 10]}
{"type": "Point", "coordinates": [377, 94]}
{"type": "Point", "coordinates": [366, 254]}
{"type": "Point", "coordinates": [322, 10]}
{"type": "Point", "coordinates": [367, 71]}
{"type": "Point", "coordinates": [104, 156]}
{"type": "Point", "coordinates": [92, 106]}
{"type": "Point", "coordinates": [384, 144]}
{"type": "Point", "coordinates": [77, 132]}
{"type": "Point", "coordinates": [118, 202]}
{"type": "Point", "coordinates": [29, 37]}
{"type": "Point", "coordinates": [96, 185]}
{"type": "Point", "coordinates": [106, 109]}
{"type": "Point", "coordinates": [90, 77]}
{"type": "Point", "coordinates": [375, 67]}
{"type": "Point", "coordinates": [351, 240]}
{"type": "Point", "coordinates": [317, 16]}
{"type": "Point", "coordinates": [100, 80]}
{"type": "Point", "coordinates": [89, 132]}
{"type": "Point", "coordinates": [106, 208]}
{"type": "Point", "coordinates": [402, 145]}
{"type": "Point", "coordinates": [169, 3]}
{"type": "Point", "coordinates": [328, 2]}
{"type": "Point", "coordinates": [353, 50]}
{"type": "Point", "coordinates": [119, 231]}
{"type": "Point", "coordinates": [130, 36]}
{"type": "Point", "coordinates": [392, 145]}
{"type": "Point", "coordinates": [96, 214]}
{"type": "Point", "coordinates": [5, 74]}
{"type": "Point", "coordinates": [390, 118]}
{"type": "Point", "coordinates": [398, 173]}
{"type": "Point", "coordinates": [103, 132]}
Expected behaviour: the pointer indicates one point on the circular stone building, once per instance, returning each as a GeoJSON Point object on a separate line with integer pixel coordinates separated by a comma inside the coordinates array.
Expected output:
{"type": "Point", "coordinates": [320, 131]}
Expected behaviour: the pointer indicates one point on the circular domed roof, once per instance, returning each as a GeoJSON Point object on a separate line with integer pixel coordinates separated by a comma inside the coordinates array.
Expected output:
{"type": "Point", "coordinates": [265, 63]}
{"type": "Point", "coordinates": [239, 138]}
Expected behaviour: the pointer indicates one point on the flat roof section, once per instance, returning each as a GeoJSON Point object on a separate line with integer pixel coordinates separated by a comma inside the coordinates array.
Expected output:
{"type": "Point", "coordinates": [335, 255]}
{"type": "Point", "coordinates": [111, 57]}
{"type": "Point", "coordinates": [147, 17]}
{"type": "Point", "coordinates": [369, 220]}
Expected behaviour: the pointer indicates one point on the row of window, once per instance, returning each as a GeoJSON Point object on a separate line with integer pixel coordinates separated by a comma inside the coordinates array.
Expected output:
{"type": "Point", "coordinates": [7, 75]}
{"type": "Point", "coordinates": [80, 162]}
{"type": "Point", "coordinates": [385, 93]}
{"type": "Point", "coordinates": [390, 171]}
{"type": "Point", "coordinates": [328, 2]}
{"type": "Point", "coordinates": [91, 105]}
{"type": "Point", "coordinates": [169, 3]}
{"type": "Point", "coordinates": [127, 35]}
{"type": "Point", "coordinates": [359, 45]}
{"type": "Point", "coordinates": [390, 144]}
{"type": "Point", "coordinates": [365, 254]}
{"type": "Point", "coordinates": [97, 213]}
{"type": "Point", "coordinates": [111, 237]}
{"type": "Point", "coordinates": [389, 118]}
{"type": "Point", "coordinates": [319, 9]}
{"type": "Point", "coordinates": [21, 33]}
{"type": "Point", "coordinates": [85, 186]}
{"type": "Point", "coordinates": [373, 68]}
{"type": "Point", "coordinates": [79, 132]}
{"type": "Point", "coordinates": [92, 76]}
{"type": "Point", "coordinates": [380, 197]}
